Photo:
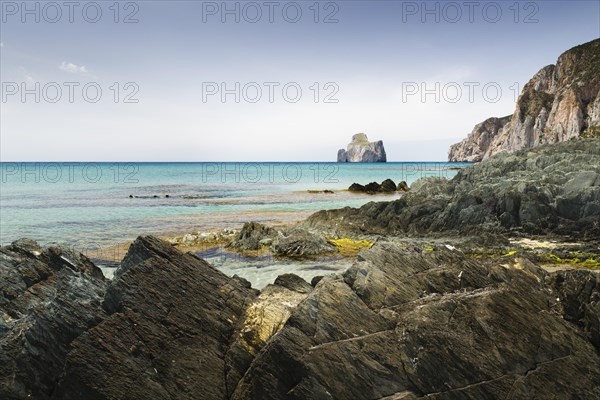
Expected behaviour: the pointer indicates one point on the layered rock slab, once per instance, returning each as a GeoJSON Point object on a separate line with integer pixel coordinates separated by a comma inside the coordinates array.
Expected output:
{"type": "Point", "coordinates": [48, 297]}
{"type": "Point", "coordinates": [171, 319]}
{"type": "Point", "coordinates": [432, 325]}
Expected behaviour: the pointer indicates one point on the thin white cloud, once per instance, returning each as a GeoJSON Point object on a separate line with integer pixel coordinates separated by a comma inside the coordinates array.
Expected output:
{"type": "Point", "coordinates": [26, 76]}
{"type": "Point", "coordinates": [72, 68]}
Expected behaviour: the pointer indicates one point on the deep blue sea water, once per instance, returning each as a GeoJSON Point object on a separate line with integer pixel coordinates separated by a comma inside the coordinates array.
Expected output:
{"type": "Point", "coordinates": [90, 203]}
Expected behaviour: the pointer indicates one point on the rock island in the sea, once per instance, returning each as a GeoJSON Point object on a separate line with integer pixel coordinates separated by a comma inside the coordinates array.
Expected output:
{"type": "Point", "coordinates": [361, 150]}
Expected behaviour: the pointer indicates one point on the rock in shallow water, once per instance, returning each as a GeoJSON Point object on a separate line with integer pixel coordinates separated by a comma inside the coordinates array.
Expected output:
{"type": "Point", "coordinates": [294, 242]}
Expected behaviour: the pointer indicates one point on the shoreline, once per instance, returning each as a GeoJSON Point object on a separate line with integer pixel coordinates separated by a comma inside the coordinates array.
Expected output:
{"type": "Point", "coordinates": [208, 236]}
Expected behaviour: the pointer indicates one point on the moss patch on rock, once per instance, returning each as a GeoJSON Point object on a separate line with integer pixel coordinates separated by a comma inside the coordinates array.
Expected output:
{"type": "Point", "coordinates": [349, 247]}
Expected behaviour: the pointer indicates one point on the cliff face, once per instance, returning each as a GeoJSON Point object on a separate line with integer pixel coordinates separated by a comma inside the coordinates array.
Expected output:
{"type": "Point", "coordinates": [560, 102]}
{"type": "Point", "coordinates": [361, 150]}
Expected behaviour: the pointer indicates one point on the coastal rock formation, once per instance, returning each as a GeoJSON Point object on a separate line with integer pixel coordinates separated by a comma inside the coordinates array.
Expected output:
{"type": "Point", "coordinates": [48, 297]}
{"type": "Point", "coordinates": [579, 293]}
{"type": "Point", "coordinates": [437, 325]}
{"type": "Point", "coordinates": [549, 189]}
{"type": "Point", "coordinates": [476, 145]}
{"type": "Point", "coordinates": [560, 102]}
{"type": "Point", "coordinates": [294, 242]}
{"type": "Point", "coordinates": [253, 236]}
{"type": "Point", "coordinates": [387, 186]}
{"type": "Point", "coordinates": [361, 150]}
{"type": "Point", "coordinates": [401, 323]}
{"type": "Point", "coordinates": [171, 318]}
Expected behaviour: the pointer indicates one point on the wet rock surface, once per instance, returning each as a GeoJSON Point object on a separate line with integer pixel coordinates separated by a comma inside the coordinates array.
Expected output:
{"type": "Point", "coordinates": [294, 242]}
{"type": "Point", "coordinates": [387, 186]}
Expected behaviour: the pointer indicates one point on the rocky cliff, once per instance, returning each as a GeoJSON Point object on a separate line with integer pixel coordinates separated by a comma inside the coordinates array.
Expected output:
{"type": "Point", "coordinates": [361, 150]}
{"type": "Point", "coordinates": [560, 102]}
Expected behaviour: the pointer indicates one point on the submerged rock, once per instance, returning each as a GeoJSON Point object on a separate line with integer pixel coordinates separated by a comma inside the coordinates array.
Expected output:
{"type": "Point", "coordinates": [361, 150]}
{"type": "Point", "coordinates": [387, 186]}
{"type": "Point", "coordinates": [294, 242]}
{"type": "Point", "coordinates": [402, 187]}
{"type": "Point", "coordinates": [298, 242]}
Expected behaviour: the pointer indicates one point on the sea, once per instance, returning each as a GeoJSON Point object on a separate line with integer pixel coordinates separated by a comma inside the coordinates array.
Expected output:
{"type": "Point", "coordinates": [97, 205]}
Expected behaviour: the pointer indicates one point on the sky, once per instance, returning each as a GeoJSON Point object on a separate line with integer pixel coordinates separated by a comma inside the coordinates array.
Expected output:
{"type": "Point", "coordinates": [267, 80]}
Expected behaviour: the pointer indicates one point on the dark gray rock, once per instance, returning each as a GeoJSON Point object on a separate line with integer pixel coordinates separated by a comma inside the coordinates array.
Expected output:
{"type": "Point", "coordinates": [356, 187]}
{"type": "Point", "coordinates": [293, 282]}
{"type": "Point", "coordinates": [401, 323]}
{"type": "Point", "coordinates": [253, 236]}
{"type": "Point", "coordinates": [372, 187]}
{"type": "Point", "coordinates": [388, 186]}
{"type": "Point", "coordinates": [579, 294]}
{"type": "Point", "coordinates": [551, 189]}
{"type": "Point", "coordinates": [171, 317]}
{"type": "Point", "coordinates": [298, 242]}
{"type": "Point", "coordinates": [48, 298]}
{"type": "Point", "coordinates": [435, 325]}
{"type": "Point", "coordinates": [403, 187]}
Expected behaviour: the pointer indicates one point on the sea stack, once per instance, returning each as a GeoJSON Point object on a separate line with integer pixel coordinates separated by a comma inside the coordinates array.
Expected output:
{"type": "Point", "coordinates": [361, 150]}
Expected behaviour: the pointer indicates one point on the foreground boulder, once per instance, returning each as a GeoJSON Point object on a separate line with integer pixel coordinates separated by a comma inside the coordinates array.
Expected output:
{"type": "Point", "coordinates": [436, 325]}
{"type": "Point", "coordinates": [48, 297]}
{"type": "Point", "coordinates": [361, 150]}
{"type": "Point", "coordinates": [170, 320]}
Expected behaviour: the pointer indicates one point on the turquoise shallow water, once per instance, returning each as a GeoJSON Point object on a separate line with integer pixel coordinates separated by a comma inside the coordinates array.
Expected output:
{"type": "Point", "coordinates": [90, 203]}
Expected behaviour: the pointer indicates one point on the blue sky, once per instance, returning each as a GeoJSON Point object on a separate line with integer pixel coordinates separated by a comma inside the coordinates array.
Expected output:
{"type": "Point", "coordinates": [373, 57]}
